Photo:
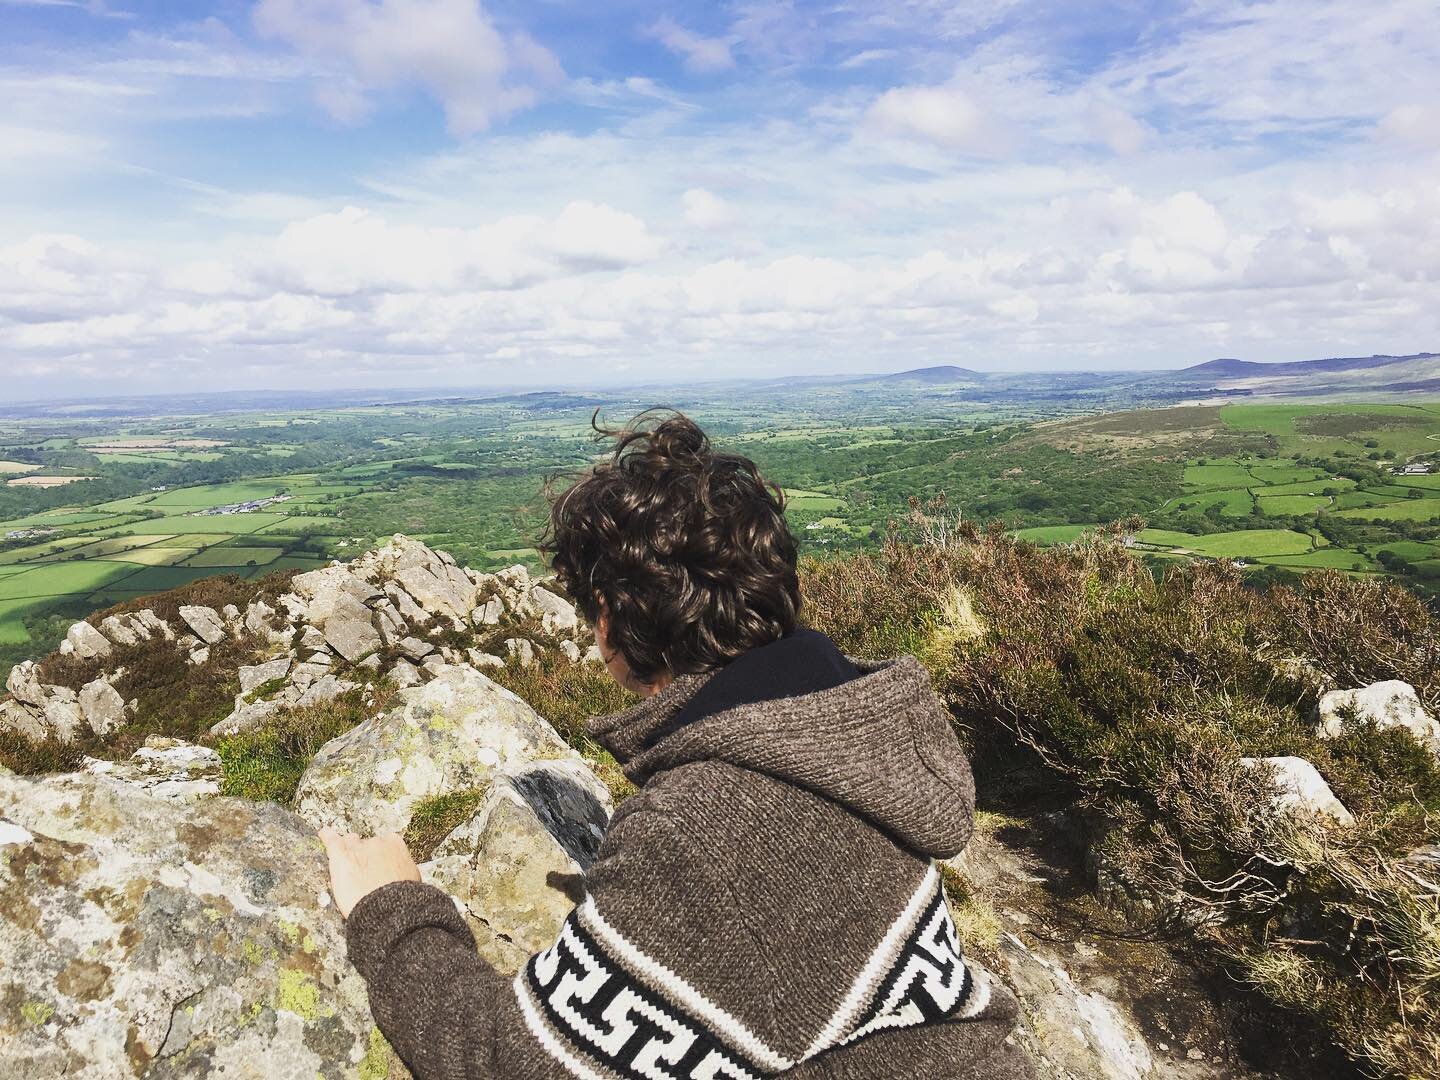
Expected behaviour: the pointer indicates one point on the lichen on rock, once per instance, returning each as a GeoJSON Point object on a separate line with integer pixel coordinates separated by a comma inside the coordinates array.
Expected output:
{"type": "Point", "coordinates": [142, 937]}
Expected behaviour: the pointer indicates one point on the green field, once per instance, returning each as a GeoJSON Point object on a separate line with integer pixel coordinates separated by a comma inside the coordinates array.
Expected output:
{"type": "Point", "coordinates": [236, 556]}
{"type": "Point", "coordinates": [61, 579]}
{"type": "Point", "coordinates": [1336, 558]}
{"type": "Point", "coordinates": [1276, 505]}
{"type": "Point", "coordinates": [1245, 482]}
{"type": "Point", "coordinates": [109, 552]}
{"type": "Point", "coordinates": [1213, 475]}
{"type": "Point", "coordinates": [1399, 510]}
{"type": "Point", "coordinates": [1244, 544]}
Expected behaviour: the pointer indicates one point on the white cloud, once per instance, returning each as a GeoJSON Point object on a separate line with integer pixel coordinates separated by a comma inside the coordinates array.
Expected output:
{"type": "Point", "coordinates": [706, 210]}
{"type": "Point", "coordinates": [91, 7]}
{"type": "Point", "coordinates": [702, 55]}
{"type": "Point", "coordinates": [946, 116]}
{"type": "Point", "coordinates": [355, 251]}
{"type": "Point", "coordinates": [450, 47]}
{"type": "Point", "coordinates": [865, 56]}
{"type": "Point", "coordinates": [1103, 273]}
{"type": "Point", "coordinates": [1418, 124]}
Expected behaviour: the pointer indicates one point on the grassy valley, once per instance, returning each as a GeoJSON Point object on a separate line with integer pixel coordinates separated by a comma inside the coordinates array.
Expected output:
{"type": "Point", "coordinates": [134, 506]}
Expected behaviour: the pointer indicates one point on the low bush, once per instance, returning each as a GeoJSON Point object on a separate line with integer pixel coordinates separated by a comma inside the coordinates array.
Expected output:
{"type": "Point", "coordinates": [1140, 692]}
{"type": "Point", "coordinates": [27, 757]}
{"type": "Point", "coordinates": [268, 763]}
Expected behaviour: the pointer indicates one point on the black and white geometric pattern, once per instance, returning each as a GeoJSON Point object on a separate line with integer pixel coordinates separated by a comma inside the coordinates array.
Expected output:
{"type": "Point", "coordinates": [607, 1011]}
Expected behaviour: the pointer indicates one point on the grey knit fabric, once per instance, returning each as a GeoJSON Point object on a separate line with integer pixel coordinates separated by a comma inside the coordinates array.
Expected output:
{"type": "Point", "coordinates": [766, 905]}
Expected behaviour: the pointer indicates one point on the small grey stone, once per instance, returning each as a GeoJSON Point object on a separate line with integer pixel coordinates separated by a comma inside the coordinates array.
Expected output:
{"type": "Point", "coordinates": [204, 621]}
{"type": "Point", "coordinates": [258, 675]}
{"type": "Point", "coordinates": [415, 648]}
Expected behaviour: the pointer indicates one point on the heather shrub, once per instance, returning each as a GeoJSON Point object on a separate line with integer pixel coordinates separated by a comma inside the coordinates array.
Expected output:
{"type": "Point", "coordinates": [1140, 692]}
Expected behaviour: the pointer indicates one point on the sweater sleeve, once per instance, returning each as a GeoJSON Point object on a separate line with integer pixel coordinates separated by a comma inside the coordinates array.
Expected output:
{"type": "Point", "coordinates": [446, 1011]}
{"type": "Point", "coordinates": [433, 997]}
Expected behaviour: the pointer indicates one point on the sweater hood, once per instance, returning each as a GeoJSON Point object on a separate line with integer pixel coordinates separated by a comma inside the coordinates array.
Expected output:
{"type": "Point", "coordinates": [881, 745]}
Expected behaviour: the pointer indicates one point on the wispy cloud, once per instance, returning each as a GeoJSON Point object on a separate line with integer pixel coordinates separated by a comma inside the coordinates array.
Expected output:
{"type": "Point", "coordinates": [97, 8]}
{"type": "Point", "coordinates": [451, 47]}
{"type": "Point", "coordinates": [703, 55]}
{"type": "Point", "coordinates": [873, 185]}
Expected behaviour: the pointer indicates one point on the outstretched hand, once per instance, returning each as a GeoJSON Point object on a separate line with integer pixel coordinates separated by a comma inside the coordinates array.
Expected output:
{"type": "Point", "coordinates": [359, 866]}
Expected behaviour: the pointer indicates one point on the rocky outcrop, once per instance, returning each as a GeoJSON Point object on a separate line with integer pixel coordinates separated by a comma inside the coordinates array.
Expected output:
{"type": "Point", "coordinates": [455, 733]}
{"type": "Point", "coordinates": [39, 711]}
{"type": "Point", "coordinates": [394, 612]}
{"type": "Point", "coordinates": [144, 937]}
{"type": "Point", "coordinates": [1391, 704]}
{"type": "Point", "coordinates": [149, 927]}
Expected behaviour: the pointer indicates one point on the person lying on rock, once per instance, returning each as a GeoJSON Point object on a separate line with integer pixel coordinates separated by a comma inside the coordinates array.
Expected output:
{"type": "Point", "coordinates": [768, 903]}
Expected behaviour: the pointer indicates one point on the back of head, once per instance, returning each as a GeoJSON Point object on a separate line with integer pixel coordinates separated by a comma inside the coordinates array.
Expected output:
{"type": "Point", "coordinates": [686, 547]}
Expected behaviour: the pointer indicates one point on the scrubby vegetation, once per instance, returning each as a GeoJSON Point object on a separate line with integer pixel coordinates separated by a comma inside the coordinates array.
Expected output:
{"type": "Point", "coordinates": [267, 763]}
{"type": "Point", "coordinates": [1140, 694]}
{"type": "Point", "coordinates": [437, 817]}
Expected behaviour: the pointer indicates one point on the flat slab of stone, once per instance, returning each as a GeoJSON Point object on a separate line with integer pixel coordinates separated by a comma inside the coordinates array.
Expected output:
{"type": "Point", "coordinates": [166, 768]}
{"type": "Point", "coordinates": [415, 648]}
{"type": "Point", "coordinates": [257, 675]}
{"type": "Point", "coordinates": [205, 622]}
{"type": "Point", "coordinates": [350, 629]}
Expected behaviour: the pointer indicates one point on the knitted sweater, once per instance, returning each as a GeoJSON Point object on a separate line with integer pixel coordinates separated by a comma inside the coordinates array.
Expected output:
{"type": "Point", "coordinates": [766, 905]}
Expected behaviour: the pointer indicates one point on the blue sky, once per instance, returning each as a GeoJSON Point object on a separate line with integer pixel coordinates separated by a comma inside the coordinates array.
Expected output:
{"type": "Point", "coordinates": [444, 192]}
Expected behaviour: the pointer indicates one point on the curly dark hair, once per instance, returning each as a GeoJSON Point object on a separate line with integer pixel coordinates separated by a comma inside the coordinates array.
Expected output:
{"type": "Point", "coordinates": [686, 547]}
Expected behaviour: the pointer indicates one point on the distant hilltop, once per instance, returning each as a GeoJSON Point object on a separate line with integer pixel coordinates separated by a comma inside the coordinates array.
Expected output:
{"type": "Point", "coordinates": [939, 374]}
{"type": "Point", "coordinates": [1228, 368]}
